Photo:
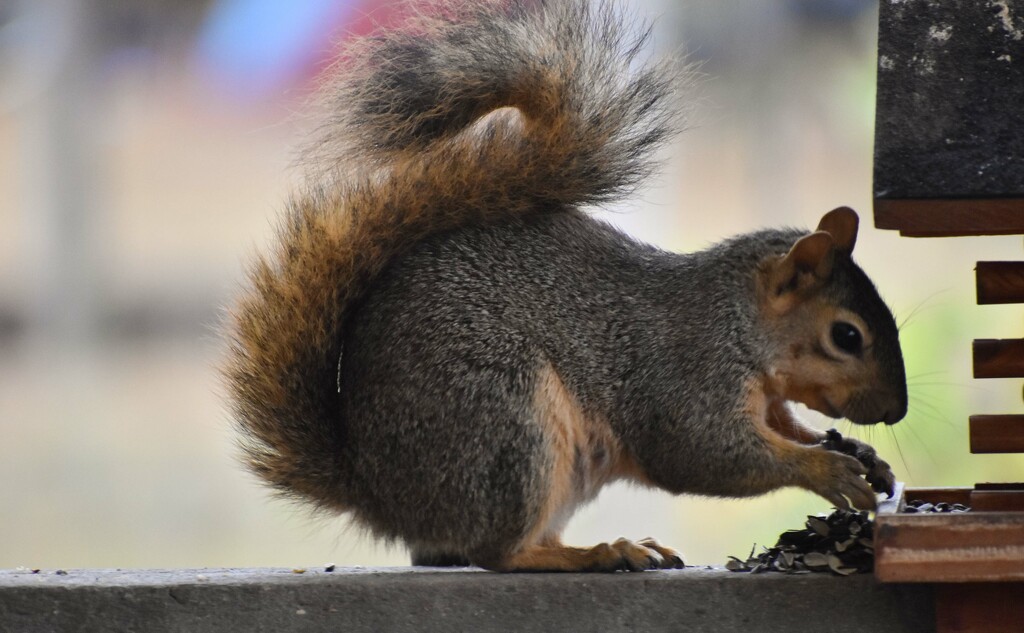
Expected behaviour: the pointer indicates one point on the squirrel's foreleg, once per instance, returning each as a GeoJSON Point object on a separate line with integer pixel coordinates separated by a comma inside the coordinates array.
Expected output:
{"type": "Point", "coordinates": [798, 457]}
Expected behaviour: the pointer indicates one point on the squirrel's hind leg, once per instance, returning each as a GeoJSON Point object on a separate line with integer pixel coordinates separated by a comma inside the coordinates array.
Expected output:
{"type": "Point", "coordinates": [583, 455]}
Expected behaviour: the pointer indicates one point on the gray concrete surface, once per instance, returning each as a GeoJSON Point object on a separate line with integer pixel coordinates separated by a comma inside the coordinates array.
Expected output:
{"type": "Point", "coordinates": [402, 599]}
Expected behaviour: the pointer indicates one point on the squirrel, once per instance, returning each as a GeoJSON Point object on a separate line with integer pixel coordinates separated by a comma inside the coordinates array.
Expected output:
{"type": "Point", "coordinates": [446, 347]}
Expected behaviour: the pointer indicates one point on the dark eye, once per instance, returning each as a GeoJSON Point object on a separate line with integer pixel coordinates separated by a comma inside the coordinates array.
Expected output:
{"type": "Point", "coordinates": [846, 337]}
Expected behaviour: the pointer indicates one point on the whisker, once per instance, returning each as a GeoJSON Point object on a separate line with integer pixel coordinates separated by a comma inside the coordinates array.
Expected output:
{"type": "Point", "coordinates": [934, 419]}
{"type": "Point", "coordinates": [946, 384]}
{"type": "Point", "coordinates": [899, 451]}
{"type": "Point", "coordinates": [927, 373]}
{"type": "Point", "coordinates": [929, 410]}
{"type": "Point", "coordinates": [928, 403]}
{"type": "Point", "coordinates": [920, 308]}
{"type": "Point", "coordinates": [924, 446]}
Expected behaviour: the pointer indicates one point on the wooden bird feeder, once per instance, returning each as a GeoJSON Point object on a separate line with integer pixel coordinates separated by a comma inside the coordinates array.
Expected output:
{"type": "Point", "coordinates": [949, 161]}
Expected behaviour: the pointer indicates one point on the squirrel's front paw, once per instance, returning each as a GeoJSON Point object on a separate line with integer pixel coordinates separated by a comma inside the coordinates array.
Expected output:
{"type": "Point", "coordinates": [879, 473]}
{"type": "Point", "coordinates": [840, 479]}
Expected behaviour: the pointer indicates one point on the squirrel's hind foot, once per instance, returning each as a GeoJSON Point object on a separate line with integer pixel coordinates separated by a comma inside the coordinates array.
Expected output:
{"type": "Point", "coordinates": [672, 559]}
{"type": "Point", "coordinates": [619, 555]}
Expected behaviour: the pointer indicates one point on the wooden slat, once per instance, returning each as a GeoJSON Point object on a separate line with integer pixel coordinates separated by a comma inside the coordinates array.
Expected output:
{"type": "Point", "coordinates": [1000, 282]}
{"type": "Point", "coordinates": [969, 547]}
{"type": "Point", "coordinates": [979, 608]}
{"type": "Point", "coordinates": [999, 358]}
{"type": "Point", "coordinates": [997, 433]}
{"type": "Point", "coordinates": [999, 485]}
{"type": "Point", "coordinates": [996, 496]}
{"type": "Point", "coordinates": [997, 501]}
{"type": "Point", "coordinates": [944, 217]}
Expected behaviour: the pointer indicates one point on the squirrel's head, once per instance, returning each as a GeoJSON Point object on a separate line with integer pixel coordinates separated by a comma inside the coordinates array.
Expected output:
{"type": "Point", "coordinates": [835, 342]}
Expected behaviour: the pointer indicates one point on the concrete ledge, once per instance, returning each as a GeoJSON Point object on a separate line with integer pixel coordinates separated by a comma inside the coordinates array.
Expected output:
{"type": "Point", "coordinates": [403, 599]}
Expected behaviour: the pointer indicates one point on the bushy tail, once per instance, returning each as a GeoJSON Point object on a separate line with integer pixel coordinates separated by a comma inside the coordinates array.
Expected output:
{"type": "Point", "coordinates": [497, 110]}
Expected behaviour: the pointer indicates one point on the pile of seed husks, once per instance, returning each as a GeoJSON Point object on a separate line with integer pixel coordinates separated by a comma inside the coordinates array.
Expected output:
{"type": "Point", "coordinates": [841, 543]}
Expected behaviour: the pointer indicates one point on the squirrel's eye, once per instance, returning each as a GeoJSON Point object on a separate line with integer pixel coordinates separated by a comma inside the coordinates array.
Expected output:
{"type": "Point", "coordinates": [846, 337]}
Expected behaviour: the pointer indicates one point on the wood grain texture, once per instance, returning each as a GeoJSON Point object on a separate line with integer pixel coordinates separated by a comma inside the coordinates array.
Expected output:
{"type": "Point", "coordinates": [985, 545]}
{"type": "Point", "coordinates": [998, 501]}
{"type": "Point", "coordinates": [997, 433]}
{"type": "Point", "coordinates": [936, 217]}
{"type": "Point", "coordinates": [999, 485]}
{"type": "Point", "coordinates": [969, 547]}
{"type": "Point", "coordinates": [979, 608]}
{"type": "Point", "coordinates": [1000, 282]}
{"type": "Point", "coordinates": [999, 358]}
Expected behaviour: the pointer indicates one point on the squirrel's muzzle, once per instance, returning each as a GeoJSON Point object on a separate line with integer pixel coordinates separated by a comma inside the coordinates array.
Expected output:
{"type": "Point", "coordinates": [894, 415]}
{"type": "Point", "coordinates": [874, 407]}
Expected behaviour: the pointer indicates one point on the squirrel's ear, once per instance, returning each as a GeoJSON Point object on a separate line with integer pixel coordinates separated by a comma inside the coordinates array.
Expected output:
{"type": "Point", "coordinates": [811, 255]}
{"type": "Point", "coordinates": [841, 224]}
{"type": "Point", "coordinates": [805, 268]}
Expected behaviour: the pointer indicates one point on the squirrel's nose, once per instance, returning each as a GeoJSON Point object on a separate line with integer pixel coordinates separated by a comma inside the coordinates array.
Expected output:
{"type": "Point", "coordinates": [892, 416]}
{"type": "Point", "coordinates": [897, 409]}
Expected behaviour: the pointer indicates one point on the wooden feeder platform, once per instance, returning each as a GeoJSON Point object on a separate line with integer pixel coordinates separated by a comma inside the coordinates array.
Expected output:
{"type": "Point", "coordinates": [949, 161]}
{"type": "Point", "coordinates": [983, 545]}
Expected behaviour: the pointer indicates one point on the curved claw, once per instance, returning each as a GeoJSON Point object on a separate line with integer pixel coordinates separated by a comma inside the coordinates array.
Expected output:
{"type": "Point", "coordinates": [842, 482]}
{"type": "Point", "coordinates": [877, 471]}
{"type": "Point", "coordinates": [670, 558]}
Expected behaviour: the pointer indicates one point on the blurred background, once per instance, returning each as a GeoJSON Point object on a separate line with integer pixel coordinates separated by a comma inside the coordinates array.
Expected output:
{"type": "Point", "coordinates": [144, 154]}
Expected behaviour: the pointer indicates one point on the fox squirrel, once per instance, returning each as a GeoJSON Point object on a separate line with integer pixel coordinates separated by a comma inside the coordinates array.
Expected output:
{"type": "Point", "coordinates": [444, 346]}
